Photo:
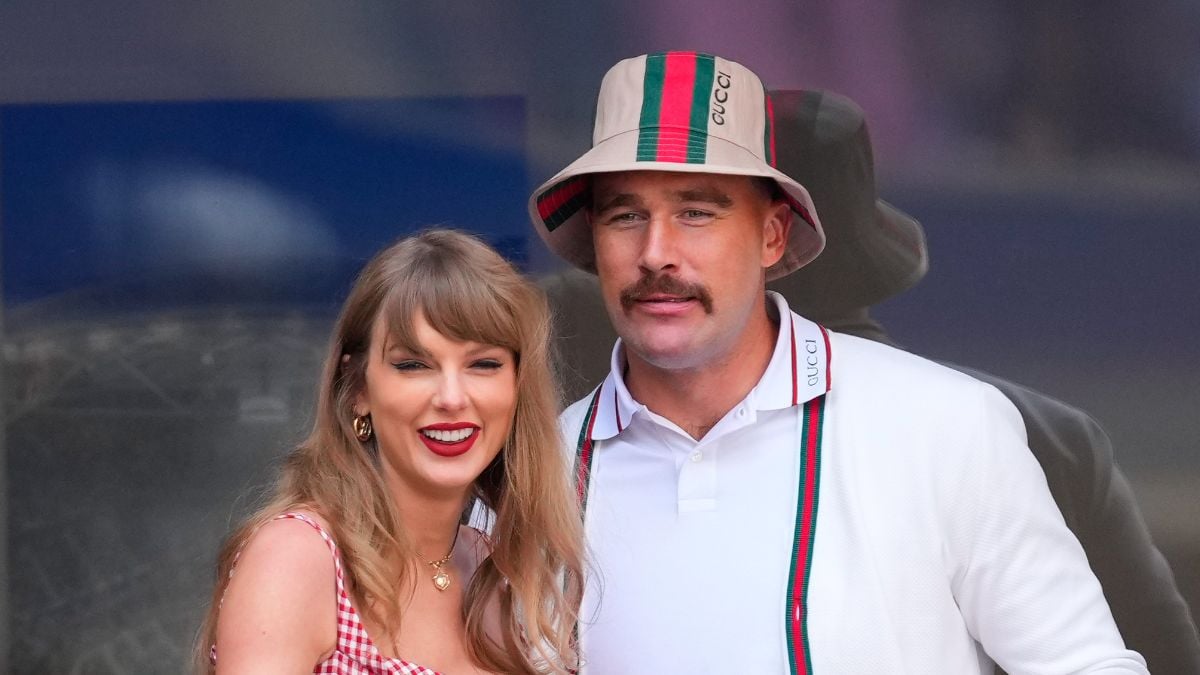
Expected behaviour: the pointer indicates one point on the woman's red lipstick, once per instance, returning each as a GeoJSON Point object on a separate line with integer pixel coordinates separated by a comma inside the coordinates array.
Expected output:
{"type": "Point", "coordinates": [449, 448]}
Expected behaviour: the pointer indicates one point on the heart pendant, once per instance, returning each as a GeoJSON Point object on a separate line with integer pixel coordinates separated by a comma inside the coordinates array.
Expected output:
{"type": "Point", "coordinates": [441, 580]}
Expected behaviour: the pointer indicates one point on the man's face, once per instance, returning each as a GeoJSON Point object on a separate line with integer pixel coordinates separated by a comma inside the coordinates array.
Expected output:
{"type": "Point", "coordinates": [681, 260]}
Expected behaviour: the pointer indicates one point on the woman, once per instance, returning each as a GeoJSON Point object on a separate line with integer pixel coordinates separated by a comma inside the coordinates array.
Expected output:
{"type": "Point", "coordinates": [436, 392]}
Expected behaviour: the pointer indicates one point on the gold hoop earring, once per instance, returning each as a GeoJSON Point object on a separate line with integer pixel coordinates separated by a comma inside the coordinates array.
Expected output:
{"type": "Point", "coordinates": [362, 428]}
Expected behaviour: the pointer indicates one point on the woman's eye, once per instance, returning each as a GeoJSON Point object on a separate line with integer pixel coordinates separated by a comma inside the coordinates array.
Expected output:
{"type": "Point", "coordinates": [488, 364]}
{"type": "Point", "coordinates": [408, 365]}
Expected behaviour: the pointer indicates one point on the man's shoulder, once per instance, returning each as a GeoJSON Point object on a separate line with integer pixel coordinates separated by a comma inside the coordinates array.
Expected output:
{"type": "Point", "coordinates": [1035, 406]}
{"type": "Point", "coordinates": [861, 361]}
{"type": "Point", "coordinates": [854, 358]}
{"type": "Point", "coordinates": [905, 384]}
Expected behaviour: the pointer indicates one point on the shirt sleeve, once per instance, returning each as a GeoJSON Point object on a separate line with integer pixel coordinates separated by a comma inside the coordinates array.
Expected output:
{"type": "Point", "coordinates": [1021, 579]}
{"type": "Point", "coordinates": [1101, 509]}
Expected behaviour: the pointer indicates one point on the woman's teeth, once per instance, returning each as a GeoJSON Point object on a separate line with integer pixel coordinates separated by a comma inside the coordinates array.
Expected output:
{"type": "Point", "coordinates": [443, 436]}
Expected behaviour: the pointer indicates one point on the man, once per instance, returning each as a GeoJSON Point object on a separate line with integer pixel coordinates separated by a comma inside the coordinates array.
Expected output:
{"type": "Point", "coordinates": [761, 495]}
{"type": "Point", "coordinates": [875, 252]}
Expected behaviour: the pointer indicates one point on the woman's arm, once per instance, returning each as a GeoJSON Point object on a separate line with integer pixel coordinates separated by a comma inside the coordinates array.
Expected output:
{"type": "Point", "coordinates": [279, 614]}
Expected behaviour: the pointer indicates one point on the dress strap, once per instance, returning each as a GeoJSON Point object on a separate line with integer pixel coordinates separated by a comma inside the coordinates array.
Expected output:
{"type": "Point", "coordinates": [333, 547]}
{"type": "Point", "coordinates": [337, 556]}
{"type": "Point", "coordinates": [352, 638]}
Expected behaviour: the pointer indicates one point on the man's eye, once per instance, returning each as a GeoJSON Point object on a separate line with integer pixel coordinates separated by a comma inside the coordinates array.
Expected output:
{"type": "Point", "coordinates": [624, 218]}
{"type": "Point", "coordinates": [696, 213]}
{"type": "Point", "coordinates": [408, 365]}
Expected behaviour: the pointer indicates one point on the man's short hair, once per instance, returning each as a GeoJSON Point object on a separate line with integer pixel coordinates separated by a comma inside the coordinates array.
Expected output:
{"type": "Point", "coordinates": [767, 187]}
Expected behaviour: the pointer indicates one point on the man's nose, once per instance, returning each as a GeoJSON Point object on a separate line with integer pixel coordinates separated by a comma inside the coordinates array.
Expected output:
{"type": "Point", "coordinates": [658, 246]}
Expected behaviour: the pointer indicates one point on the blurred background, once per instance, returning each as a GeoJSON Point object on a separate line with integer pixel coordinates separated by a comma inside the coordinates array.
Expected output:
{"type": "Point", "coordinates": [186, 192]}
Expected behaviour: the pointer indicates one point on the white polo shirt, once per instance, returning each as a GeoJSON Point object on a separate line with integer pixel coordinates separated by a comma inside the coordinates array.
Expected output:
{"type": "Point", "coordinates": [905, 528]}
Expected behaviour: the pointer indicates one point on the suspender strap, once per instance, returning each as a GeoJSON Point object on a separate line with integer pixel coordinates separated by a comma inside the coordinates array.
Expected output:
{"type": "Point", "coordinates": [583, 473]}
{"type": "Point", "coordinates": [799, 655]}
{"type": "Point", "coordinates": [812, 419]}
{"type": "Point", "coordinates": [583, 452]}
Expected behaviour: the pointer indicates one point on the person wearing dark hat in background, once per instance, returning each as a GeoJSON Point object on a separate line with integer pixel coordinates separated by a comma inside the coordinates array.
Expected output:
{"type": "Point", "coordinates": [874, 252]}
{"type": "Point", "coordinates": [760, 494]}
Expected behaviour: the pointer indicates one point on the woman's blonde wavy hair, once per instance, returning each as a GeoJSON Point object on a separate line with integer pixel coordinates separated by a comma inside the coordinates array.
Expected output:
{"type": "Point", "coordinates": [466, 291]}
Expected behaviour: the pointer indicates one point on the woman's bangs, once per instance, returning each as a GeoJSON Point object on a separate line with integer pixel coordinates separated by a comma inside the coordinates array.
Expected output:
{"type": "Point", "coordinates": [459, 307]}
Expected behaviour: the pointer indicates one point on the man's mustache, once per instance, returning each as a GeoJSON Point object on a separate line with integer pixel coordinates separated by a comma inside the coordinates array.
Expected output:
{"type": "Point", "coordinates": [665, 284]}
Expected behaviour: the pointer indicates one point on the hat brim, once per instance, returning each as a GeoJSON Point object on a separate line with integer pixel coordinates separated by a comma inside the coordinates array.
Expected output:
{"type": "Point", "coordinates": [557, 206]}
{"type": "Point", "coordinates": [909, 250]}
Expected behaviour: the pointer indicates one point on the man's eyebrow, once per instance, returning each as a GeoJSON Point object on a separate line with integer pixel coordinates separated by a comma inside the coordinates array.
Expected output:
{"type": "Point", "coordinates": [707, 195]}
{"type": "Point", "coordinates": [617, 201]}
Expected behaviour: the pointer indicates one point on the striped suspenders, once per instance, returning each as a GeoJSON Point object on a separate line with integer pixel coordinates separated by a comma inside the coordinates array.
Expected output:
{"type": "Point", "coordinates": [805, 536]}
{"type": "Point", "coordinates": [809, 479]}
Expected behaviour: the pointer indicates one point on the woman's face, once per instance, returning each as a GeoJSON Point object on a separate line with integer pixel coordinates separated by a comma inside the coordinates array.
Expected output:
{"type": "Point", "coordinates": [441, 414]}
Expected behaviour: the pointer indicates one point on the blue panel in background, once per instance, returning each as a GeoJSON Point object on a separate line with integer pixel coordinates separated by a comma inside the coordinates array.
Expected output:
{"type": "Point", "coordinates": [1052, 278]}
{"type": "Point", "coordinates": [247, 201]}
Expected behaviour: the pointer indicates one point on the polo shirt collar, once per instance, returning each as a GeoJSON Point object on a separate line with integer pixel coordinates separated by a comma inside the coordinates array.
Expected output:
{"type": "Point", "coordinates": [799, 369]}
{"type": "Point", "coordinates": [797, 373]}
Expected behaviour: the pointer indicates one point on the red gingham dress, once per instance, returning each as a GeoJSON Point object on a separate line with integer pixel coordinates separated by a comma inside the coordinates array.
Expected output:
{"type": "Point", "coordinates": [355, 653]}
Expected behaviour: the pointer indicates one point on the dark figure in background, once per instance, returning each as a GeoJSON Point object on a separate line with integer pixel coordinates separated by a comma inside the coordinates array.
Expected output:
{"type": "Point", "coordinates": [874, 252]}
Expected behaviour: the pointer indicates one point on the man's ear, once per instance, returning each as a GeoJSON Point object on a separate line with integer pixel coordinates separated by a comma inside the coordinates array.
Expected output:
{"type": "Point", "coordinates": [776, 227]}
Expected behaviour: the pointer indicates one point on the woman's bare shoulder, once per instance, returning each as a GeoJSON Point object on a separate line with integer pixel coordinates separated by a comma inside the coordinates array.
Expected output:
{"type": "Point", "coordinates": [280, 608]}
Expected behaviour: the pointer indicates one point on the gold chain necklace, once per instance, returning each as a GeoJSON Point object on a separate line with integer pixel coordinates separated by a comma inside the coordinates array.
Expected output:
{"type": "Point", "coordinates": [441, 578]}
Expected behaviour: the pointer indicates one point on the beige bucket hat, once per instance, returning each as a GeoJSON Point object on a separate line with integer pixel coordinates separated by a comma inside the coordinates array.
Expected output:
{"type": "Point", "coordinates": [674, 111]}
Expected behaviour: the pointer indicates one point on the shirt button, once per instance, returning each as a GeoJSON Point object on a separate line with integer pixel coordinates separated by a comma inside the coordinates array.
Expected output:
{"type": "Point", "coordinates": [697, 456]}
{"type": "Point", "coordinates": [741, 412]}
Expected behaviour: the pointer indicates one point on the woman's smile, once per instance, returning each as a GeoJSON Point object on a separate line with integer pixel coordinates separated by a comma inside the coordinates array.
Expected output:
{"type": "Point", "coordinates": [449, 439]}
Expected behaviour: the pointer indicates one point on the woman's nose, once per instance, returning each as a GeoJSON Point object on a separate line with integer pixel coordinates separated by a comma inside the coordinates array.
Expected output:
{"type": "Point", "coordinates": [450, 394]}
